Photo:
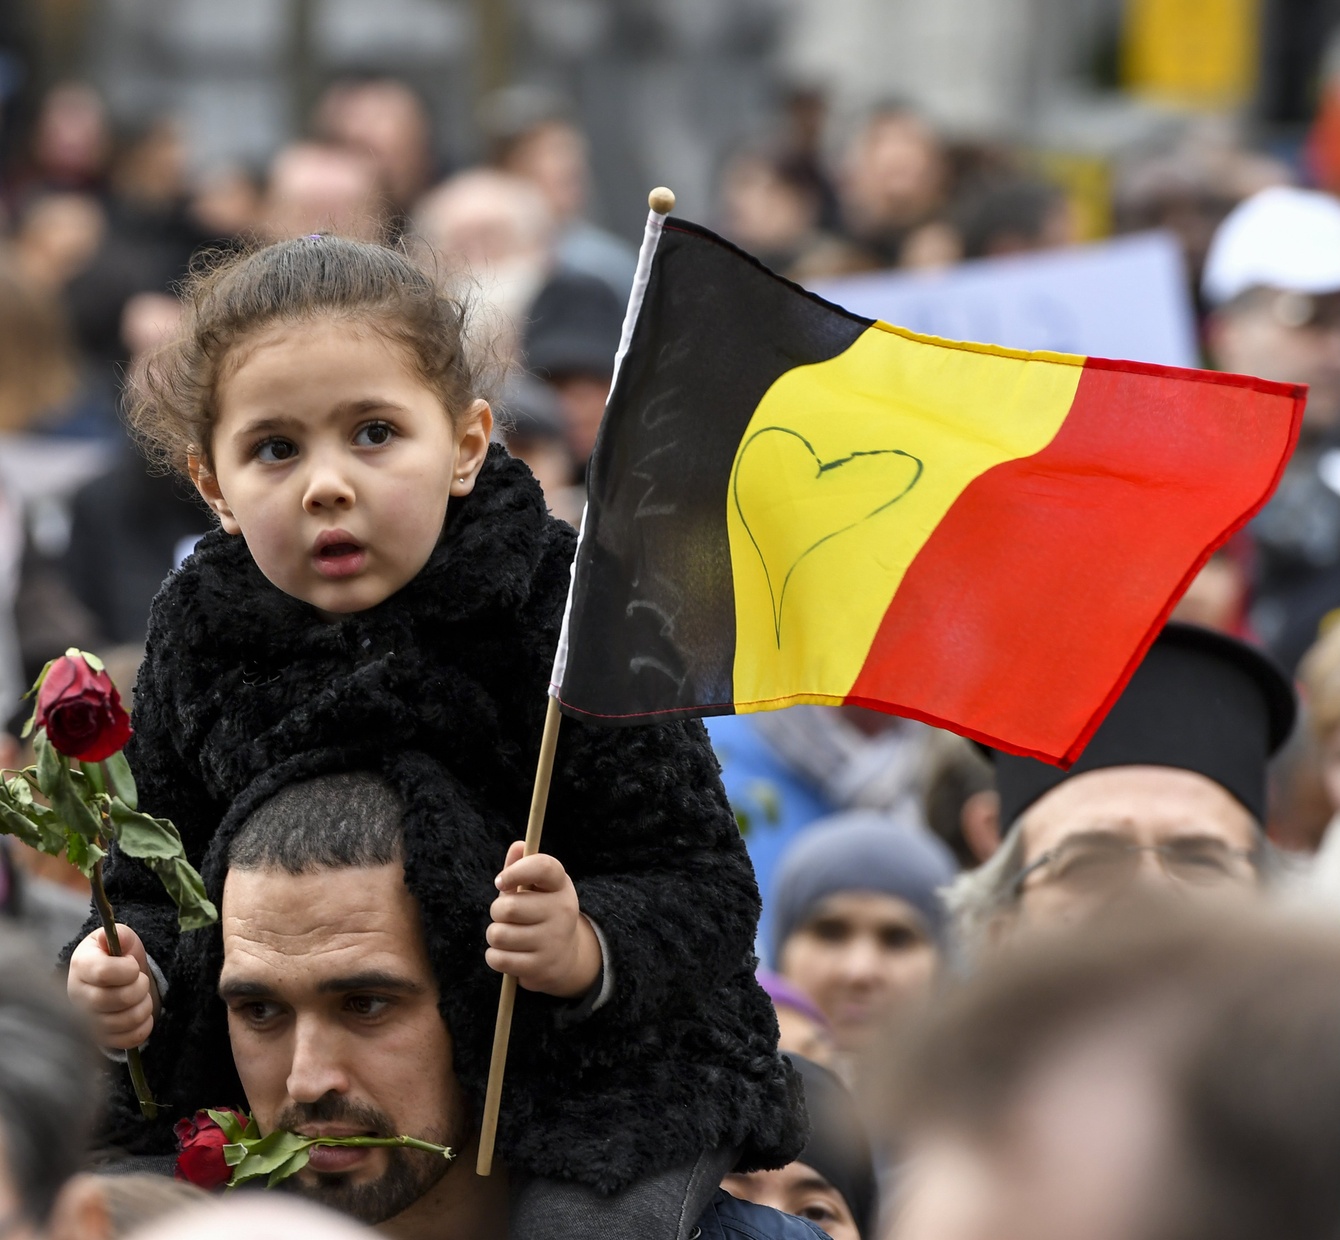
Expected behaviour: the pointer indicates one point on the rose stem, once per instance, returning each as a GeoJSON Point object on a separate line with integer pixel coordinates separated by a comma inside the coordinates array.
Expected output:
{"type": "Point", "coordinates": [148, 1107]}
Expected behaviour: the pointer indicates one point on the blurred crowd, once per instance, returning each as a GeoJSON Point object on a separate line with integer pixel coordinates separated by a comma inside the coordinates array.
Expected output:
{"type": "Point", "coordinates": [1180, 1029]}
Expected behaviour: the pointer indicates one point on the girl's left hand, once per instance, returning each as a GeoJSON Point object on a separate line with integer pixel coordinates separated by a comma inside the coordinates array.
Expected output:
{"type": "Point", "coordinates": [539, 934]}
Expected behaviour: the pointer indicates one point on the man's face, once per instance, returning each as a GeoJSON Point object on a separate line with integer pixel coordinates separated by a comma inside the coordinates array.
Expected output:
{"type": "Point", "coordinates": [1289, 337]}
{"type": "Point", "coordinates": [335, 1030]}
{"type": "Point", "coordinates": [1095, 837]}
{"type": "Point", "coordinates": [860, 956]}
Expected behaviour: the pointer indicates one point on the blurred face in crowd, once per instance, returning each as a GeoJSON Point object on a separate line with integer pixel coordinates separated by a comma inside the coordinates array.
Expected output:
{"type": "Point", "coordinates": [553, 156]}
{"type": "Point", "coordinates": [1288, 337]}
{"type": "Point", "coordinates": [386, 120]}
{"type": "Point", "coordinates": [335, 461]}
{"type": "Point", "coordinates": [316, 189]}
{"type": "Point", "coordinates": [894, 174]}
{"type": "Point", "coordinates": [763, 211]}
{"type": "Point", "coordinates": [491, 234]}
{"type": "Point", "coordinates": [1099, 835]}
{"type": "Point", "coordinates": [582, 400]}
{"type": "Point", "coordinates": [1077, 1152]}
{"type": "Point", "coordinates": [861, 956]}
{"type": "Point", "coordinates": [800, 1190]}
{"type": "Point", "coordinates": [73, 138]}
{"type": "Point", "coordinates": [335, 1030]}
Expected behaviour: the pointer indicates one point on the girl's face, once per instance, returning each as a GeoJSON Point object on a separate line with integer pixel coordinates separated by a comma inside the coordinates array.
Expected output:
{"type": "Point", "coordinates": [335, 461]}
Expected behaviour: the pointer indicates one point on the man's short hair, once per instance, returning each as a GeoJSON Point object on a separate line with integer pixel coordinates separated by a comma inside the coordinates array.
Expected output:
{"type": "Point", "coordinates": [332, 822]}
{"type": "Point", "coordinates": [49, 1076]}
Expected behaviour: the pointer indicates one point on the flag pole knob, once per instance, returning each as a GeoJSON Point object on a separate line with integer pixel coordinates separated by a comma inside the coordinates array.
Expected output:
{"type": "Point", "coordinates": [661, 200]}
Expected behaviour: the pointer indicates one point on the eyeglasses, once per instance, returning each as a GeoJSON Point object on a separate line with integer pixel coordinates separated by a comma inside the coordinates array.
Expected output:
{"type": "Point", "coordinates": [1103, 863]}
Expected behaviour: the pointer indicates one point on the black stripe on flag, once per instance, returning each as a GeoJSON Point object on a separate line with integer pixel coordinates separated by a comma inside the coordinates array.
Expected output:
{"type": "Point", "coordinates": [652, 627]}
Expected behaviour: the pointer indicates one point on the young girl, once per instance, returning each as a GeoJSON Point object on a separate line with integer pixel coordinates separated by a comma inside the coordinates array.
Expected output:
{"type": "Point", "coordinates": [383, 579]}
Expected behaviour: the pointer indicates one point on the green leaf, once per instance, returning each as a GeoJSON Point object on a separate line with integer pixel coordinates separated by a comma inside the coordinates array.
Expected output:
{"type": "Point", "coordinates": [37, 684]}
{"type": "Point", "coordinates": [267, 1155]}
{"type": "Point", "coordinates": [234, 1153]}
{"type": "Point", "coordinates": [230, 1122]}
{"type": "Point", "coordinates": [23, 829]}
{"type": "Point", "coordinates": [144, 837]}
{"type": "Point", "coordinates": [71, 807]}
{"type": "Point", "coordinates": [19, 790]}
{"type": "Point", "coordinates": [92, 776]}
{"type": "Point", "coordinates": [297, 1161]}
{"type": "Point", "coordinates": [48, 764]}
{"type": "Point", "coordinates": [156, 842]}
{"type": "Point", "coordinates": [83, 854]}
{"type": "Point", "coordinates": [120, 782]}
{"type": "Point", "coordinates": [91, 659]}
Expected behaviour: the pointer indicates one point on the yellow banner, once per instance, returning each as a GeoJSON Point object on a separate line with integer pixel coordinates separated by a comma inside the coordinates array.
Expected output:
{"type": "Point", "coordinates": [1199, 53]}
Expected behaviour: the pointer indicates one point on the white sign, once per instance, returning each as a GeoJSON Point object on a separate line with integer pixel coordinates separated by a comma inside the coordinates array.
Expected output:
{"type": "Point", "coordinates": [1126, 298]}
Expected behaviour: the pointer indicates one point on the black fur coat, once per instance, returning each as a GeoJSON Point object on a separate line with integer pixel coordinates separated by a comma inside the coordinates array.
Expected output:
{"type": "Point", "coordinates": [442, 688]}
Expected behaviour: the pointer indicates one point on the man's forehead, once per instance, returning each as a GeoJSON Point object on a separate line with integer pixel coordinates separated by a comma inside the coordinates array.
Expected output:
{"type": "Point", "coordinates": [1153, 801]}
{"type": "Point", "coordinates": [316, 923]}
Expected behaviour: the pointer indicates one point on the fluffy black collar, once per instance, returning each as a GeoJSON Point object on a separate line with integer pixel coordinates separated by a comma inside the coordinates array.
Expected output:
{"type": "Point", "coordinates": [486, 559]}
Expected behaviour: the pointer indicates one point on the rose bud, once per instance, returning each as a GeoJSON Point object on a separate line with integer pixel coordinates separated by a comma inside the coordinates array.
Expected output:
{"type": "Point", "coordinates": [201, 1141]}
{"type": "Point", "coordinates": [81, 711]}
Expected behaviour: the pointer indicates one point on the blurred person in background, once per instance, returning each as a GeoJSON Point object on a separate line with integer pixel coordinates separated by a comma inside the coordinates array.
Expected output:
{"type": "Point", "coordinates": [1319, 679]}
{"type": "Point", "coordinates": [56, 237]}
{"type": "Point", "coordinates": [893, 179]}
{"type": "Point", "coordinates": [1170, 793]}
{"type": "Point", "coordinates": [803, 1028]}
{"type": "Point", "coordinates": [1189, 187]}
{"type": "Point", "coordinates": [857, 920]}
{"type": "Point", "coordinates": [535, 432]}
{"type": "Point", "coordinates": [531, 134]}
{"type": "Point", "coordinates": [258, 1216]}
{"type": "Point", "coordinates": [97, 1206]}
{"type": "Point", "coordinates": [226, 202]}
{"type": "Point", "coordinates": [1272, 277]}
{"type": "Point", "coordinates": [771, 205]}
{"type": "Point", "coordinates": [320, 188]}
{"type": "Point", "coordinates": [960, 802]}
{"type": "Point", "coordinates": [832, 1181]}
{"type": "Point", "coordinates": [389, 122]}
{"type": "Point", "coordinates": [49, 913]}
{"type": "Point", "coordinates": [570, 341]}
{"type": "Point", "coordinates": [71, 146]}
{"type": "Point", "coordinates": [130, 526]}
{"type": "Point", "coordinates": [491, 234]}
{"type": "Point", "coordinates": [1019, 215]}
{"type": "Point", "coordinates": [1170, 1075]}
{"type": "Point", "coordinates": [784, 769]}
{"type": "Point", "coordinates": [49, 1075]}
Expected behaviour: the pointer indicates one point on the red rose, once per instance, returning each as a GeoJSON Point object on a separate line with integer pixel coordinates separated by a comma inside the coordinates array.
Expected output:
{"type": "Point", "coordinates": [201, 1143]}
{"type": "Point", "coordinates": [81, 711]}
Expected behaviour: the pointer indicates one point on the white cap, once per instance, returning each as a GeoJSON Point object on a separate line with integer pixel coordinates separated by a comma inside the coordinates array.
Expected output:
{"type": "Point", "coordinates": [1281, 238]}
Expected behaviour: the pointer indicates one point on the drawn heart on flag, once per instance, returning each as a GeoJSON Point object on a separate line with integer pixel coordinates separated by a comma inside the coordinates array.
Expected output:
{"type": "Point", "coordinates": [791, 501]}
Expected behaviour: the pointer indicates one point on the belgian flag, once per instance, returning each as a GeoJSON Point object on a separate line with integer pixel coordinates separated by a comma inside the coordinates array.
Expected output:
{"type": "Point", "coordinates": [789, 503]}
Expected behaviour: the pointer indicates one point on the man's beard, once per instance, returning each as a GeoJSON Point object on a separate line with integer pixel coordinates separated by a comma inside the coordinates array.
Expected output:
{"type": "Point", "coordinates": [408, 1176]}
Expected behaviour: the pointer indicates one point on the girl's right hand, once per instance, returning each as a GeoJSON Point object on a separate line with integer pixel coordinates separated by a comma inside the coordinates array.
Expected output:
{"type": "Point", "coordinates": [116, 992]}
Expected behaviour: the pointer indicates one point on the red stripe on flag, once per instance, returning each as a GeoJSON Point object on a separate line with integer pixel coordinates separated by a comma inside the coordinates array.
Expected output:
{"type": "Point", "coordinates": [1035, 598]}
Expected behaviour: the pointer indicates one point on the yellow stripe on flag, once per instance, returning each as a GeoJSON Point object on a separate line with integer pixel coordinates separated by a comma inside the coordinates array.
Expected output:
{"type": "Point", "coordinates": [844, 471]}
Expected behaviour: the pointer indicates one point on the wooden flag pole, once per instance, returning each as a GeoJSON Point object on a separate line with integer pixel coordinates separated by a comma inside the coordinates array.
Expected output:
{"type": "Point", "coordinates": [661, 202]}
{"type": "Point", "coordinates": [502, 1031]}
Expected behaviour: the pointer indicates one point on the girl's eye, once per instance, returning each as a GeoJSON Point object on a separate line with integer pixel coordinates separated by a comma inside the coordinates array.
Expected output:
{"type": "Point", "coordinates": [273, 451]}
{"type": "Point", "coordinates": [373, 435]}
{"type": "Point", "coordinates": [818, 1212]}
